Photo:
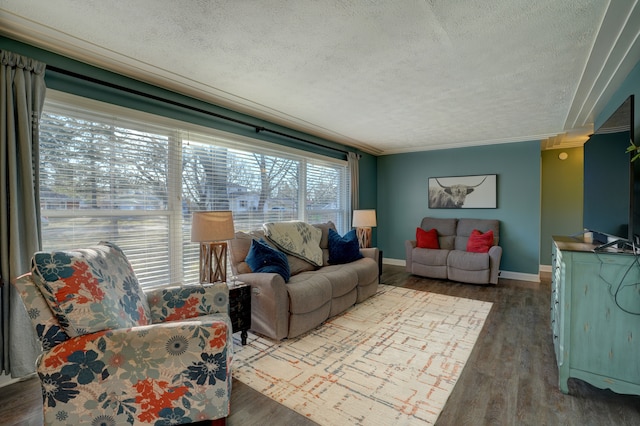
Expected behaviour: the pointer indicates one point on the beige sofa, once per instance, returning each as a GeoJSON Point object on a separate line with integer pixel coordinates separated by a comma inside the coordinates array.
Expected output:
{"type": "Point", "coordinates": [312, 295]}
{"type": "Point", "coordinates": [451, 261]}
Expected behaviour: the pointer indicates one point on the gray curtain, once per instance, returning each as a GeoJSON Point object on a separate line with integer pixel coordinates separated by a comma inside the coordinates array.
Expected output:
{"type": "Point", "coordinates": [354, 169]}
{"type": "Point", "coordinates": [21, 101]}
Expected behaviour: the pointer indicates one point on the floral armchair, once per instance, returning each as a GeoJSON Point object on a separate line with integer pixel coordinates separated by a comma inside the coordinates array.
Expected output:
{"type": "Point", "coordinates": [113, 354]}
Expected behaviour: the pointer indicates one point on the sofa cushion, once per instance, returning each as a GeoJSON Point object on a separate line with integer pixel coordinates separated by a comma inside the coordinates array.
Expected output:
{"type": "Point", "coordinates": [91, 289]}
{"type": "Point", "coordinates": [324, 241]}
{"type": "Point", "coordinates": [343, 249]}
{"type": "Point", "coordinates": [324, 227]}
{"type": "Point", "coordinates": [239, 248]}
{"type": "Point", "coordinates": [366, 270]}
{"type": "Point", "coordinates": [264, 258]}
{"type": "Point", "coordinates": [481, 276]}
{"type": "Point", "coordinates": [468, 261]}
{"type": "Point", "coordinates": [479, 242]}
{"type": "Point", "coordinates": [430, 257]}
{"type": "Point", "coordinates": [427, 239]}
{"type": "Point", "coordinates": [343, 279]}
{"type": "Point", "coordinates": [308, 291]}
{"type": "Point", "coordinates": [297, 265]}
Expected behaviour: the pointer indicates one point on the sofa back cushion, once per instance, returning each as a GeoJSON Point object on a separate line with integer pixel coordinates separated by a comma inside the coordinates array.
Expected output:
{"type": "Point", "coordinates": [324, 240]}
{"type": "Point", "coordinates": [239, 248]}
{"type": "Point", "coordinates": [446, 229]}
{"type": "Point", "coordinates": [91, 289]}
{"type": "Point", "coordinates": [466, 226]}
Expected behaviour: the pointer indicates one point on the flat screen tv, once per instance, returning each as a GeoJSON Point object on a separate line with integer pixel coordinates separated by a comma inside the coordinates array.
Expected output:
{"type": "Point", "coordinates": [612, 181]}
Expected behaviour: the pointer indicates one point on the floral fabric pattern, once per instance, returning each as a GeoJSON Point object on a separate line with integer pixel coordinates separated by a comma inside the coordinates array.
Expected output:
{"type": "Point", "coordinates": [178, 303]}
{"type": "Point", "coordinates": [167, 374]}
{"type": "Point", "coordinates": [48, 329]}
{"type": "Point", "coordinates": [91, 289]}
{"type": "Point", "coordinates": [162, 374]}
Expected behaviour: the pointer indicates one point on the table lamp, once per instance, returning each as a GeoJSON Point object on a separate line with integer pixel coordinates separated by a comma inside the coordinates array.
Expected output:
{"type": "Point", "coordinates": [363, 220]}
{"type": "Point", "coordinates": [211, 229]}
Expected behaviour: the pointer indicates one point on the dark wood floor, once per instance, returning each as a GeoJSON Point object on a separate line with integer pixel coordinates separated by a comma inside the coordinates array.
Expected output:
{"type": "Point", "coordinates": [510, 378]}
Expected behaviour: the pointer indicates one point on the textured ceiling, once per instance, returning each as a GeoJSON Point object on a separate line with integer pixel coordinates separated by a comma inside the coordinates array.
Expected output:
{"type": "Point", "coordinates": [383, 76]}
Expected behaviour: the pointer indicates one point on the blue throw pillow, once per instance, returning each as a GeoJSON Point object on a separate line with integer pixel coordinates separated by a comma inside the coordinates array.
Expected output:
{"type": "Point", "coordinates": [264, 258]}
{"type": "Point", "coordinates": [343, 249]}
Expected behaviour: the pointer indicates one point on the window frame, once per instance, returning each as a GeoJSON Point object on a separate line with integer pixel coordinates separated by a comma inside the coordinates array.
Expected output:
{"type": "Point", "coordinates": [177, 132]}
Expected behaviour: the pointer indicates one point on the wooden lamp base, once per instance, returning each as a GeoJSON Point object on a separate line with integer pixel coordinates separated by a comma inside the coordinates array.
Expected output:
{"type": "Point", "coordinates": [213, 262]}
{"type": "Point", "coordinates": [364, 236]}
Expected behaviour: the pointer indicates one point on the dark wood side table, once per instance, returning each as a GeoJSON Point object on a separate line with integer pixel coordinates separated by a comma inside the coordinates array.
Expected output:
{"type": "Point", "coordinates": [240, 309]}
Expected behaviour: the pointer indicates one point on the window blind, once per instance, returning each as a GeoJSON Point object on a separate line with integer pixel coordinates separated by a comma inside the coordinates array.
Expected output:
{"type": "Point", "coordinates": [112, 174]}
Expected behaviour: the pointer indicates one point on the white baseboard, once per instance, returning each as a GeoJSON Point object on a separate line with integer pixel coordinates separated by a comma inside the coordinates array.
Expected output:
{"type": "Point", "coordinates": [394, 262]}
{"type": "Point", "coordinates": [535, 278]}
{"type": "Point", "coordinates": [545, 268]}
{"type": "Point", "coordinates": [503, 274]}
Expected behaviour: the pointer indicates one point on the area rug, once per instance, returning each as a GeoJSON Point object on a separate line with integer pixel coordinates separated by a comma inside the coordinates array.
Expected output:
{"type": "Point", "coordinates": [391, 360]}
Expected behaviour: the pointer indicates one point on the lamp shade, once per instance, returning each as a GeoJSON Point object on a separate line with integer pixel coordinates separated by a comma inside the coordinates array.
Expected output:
{"type": "Point", "coordinates": [212, 226]}
{"type": "Point", "coordinates": [364, 218]}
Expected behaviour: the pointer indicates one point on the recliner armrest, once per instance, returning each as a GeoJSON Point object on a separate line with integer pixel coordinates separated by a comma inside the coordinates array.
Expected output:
{"type": "Point", "coordinates": [185, 364]}
{"type": "Point", "coordinates": [495, 254]}
{"type": "Point", "coordinates": [176, 303]}
{"type": "Point", "coordinates": [371, 252]}
{"type": "Point", "coordinates": [269, 304]}
{"type": "Point", "coordinates": [409, 245]}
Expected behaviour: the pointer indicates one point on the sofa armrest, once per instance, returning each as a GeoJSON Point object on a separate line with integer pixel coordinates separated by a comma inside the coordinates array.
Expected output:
{"type": "Point", "coordinates": [176, 303]}
{"type": "Point", "coordinates": [269, 304]}
{"type": "Point", "coordinates": [495, 254]}
{"type": "Point", "coordinates": [371, 253]}
{"type": "Point", "coordinates": [409, 245]}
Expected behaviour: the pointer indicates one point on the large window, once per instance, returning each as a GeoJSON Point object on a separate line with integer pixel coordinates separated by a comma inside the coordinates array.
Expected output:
{"type": "Point", "coordinates": [111, 174]}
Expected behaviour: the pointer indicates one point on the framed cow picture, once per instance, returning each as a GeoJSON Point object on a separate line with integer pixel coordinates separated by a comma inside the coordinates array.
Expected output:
{"type": "Point", "coordinates": [463, 192]}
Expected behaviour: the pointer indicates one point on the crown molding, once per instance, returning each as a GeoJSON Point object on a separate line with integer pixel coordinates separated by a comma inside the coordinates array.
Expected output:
{"type": "Point", "coordinates": [42, 36]}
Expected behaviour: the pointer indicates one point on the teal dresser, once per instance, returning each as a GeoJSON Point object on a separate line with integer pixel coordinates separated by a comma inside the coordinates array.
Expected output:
{"type": "Point", "coordinates": [595, 316]}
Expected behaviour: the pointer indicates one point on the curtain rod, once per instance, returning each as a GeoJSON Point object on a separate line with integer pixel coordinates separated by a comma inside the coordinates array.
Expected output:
{"type": "Point", "coordinates": [257, 128]}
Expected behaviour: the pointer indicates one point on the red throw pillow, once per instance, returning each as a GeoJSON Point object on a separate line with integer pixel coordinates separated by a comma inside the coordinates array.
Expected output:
{"type": "Point", "coordinates": [479, 242]}
{"type": "Point", "coordinates": [427, 239]}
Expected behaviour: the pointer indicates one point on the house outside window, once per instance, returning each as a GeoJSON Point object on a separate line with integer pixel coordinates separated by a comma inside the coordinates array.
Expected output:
{"type": "Point", "coordinates": [112, 174]}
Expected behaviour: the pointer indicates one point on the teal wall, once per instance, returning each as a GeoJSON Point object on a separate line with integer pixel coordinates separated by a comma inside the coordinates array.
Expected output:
{"type": "Point", "coordinates": [403, 202]}
{"type": "Point", "coordinates": [562, 197]}
{"type": "Point", "coordinates": [368, 194]}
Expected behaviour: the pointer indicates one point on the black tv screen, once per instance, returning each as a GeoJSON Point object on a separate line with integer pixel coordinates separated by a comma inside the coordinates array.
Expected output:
{"type": "Point", "coordinates": [611, 180]}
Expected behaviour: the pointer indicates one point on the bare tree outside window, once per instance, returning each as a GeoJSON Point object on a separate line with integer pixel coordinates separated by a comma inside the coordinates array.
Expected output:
{"type": "Point", "coordinates": [134, 183]}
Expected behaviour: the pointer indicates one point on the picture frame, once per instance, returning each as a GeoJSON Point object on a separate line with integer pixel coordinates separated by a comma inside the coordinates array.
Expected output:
{"type": "Point", "coordinates": [463, 192]}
